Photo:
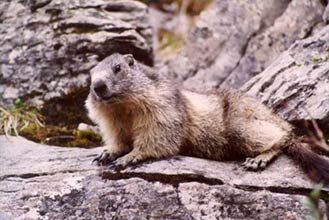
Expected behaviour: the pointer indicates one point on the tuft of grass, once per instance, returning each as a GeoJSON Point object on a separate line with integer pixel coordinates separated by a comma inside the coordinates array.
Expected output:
{"type": "Point", "coordinates": [312, 203]}
{"type": "Point", "coordinates": [16, 118]}
{"type": "Point", "coordinates": [29, 122]}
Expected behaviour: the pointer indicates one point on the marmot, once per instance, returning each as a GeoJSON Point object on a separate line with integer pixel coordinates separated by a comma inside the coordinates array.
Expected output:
{"type": "Point", "coordinates": [143, 115]}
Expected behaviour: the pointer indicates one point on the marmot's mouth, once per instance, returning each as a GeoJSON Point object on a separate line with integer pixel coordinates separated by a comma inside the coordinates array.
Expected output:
{"type": "Point", "coordinates": [108, 98]}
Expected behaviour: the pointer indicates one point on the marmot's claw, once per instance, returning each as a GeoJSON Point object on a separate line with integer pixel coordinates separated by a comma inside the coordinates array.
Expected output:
{"type": "Point", "coordinates": [114, 166]}
{"type": "Point", "coordinates": [123, 162]}
{"type": "Point", "coordinates": [118, 164]}
{"type": "Point", "coordinates": [103, 159]}
{"type": "Point", "coordinates": [254, 164]}
{"type": "Point", "coordinates": [95, 160]}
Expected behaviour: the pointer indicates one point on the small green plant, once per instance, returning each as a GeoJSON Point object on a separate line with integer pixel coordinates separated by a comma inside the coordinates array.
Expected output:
{"type": "Point", "coordinates": [169, 39]}
{"type": "Point", "coordinates": [312, 203]}
{"type": "Point", "coordinates": [16, 118]}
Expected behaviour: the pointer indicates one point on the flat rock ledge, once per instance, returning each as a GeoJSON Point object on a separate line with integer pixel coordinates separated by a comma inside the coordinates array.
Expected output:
{"type": "Point", "coordinates": [46, 182]}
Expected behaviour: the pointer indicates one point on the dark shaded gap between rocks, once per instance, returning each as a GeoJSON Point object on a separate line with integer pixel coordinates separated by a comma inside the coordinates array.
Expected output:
{"type": "Point", "coordinates": [171, 179]}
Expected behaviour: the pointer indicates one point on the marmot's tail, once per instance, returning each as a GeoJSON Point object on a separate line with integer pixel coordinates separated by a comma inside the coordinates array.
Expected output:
{"type": "Point", "coordinates": [313, 164]}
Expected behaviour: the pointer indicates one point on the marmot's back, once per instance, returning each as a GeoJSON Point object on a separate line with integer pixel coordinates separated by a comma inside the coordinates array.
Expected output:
{"type": "Point", "coordinates": [225, 125]}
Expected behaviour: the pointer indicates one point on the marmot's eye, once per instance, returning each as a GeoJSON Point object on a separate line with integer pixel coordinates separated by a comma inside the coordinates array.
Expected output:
{"type": "Point", "coordinates": [117, 68]}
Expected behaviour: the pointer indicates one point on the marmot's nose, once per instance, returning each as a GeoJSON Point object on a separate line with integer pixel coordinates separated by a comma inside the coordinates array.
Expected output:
{"type": "Point", "coordinates": [99, 88]}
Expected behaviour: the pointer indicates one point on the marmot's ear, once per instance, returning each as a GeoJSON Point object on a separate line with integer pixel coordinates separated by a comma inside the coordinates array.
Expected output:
{"type": "Point", "coordinates": [129, 59]}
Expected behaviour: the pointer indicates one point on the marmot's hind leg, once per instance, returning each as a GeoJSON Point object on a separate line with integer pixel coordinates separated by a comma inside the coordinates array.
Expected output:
{"type": "Point", "coordinates": [261, 161]}
{"type": "Point", "coordinates": [264, 141]}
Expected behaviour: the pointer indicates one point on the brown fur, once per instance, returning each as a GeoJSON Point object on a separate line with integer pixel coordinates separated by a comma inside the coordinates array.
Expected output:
{"type": "Point", "coordinates": [313, 164]}
{"type": "Point", "coordinates": [151, 117]}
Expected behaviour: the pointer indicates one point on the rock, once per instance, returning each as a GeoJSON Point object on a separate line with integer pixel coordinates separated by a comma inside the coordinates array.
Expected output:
{"type": "Point", "coordinates": [296, 84]}
{"type": "Point", "coordinates": [48, 47]}
{"type": "Point", "coordinates": [295, 23]}
{"type": "Point", "coordinates": [235, 40]}
{"type": "Point", "coordinates": [47, 182]}
{"type": "Point", "coordinates": [222, 202]}
{"type": "Point", "coordinates": [326, 14]}
{"type": "Point", "coordinates": [169, 31]}
{"type": "Point", "coordinates": [86, 127]}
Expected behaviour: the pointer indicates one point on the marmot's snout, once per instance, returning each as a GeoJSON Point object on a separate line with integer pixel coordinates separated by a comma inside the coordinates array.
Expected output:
{"type": "Point", "coordinates": [100, 89]}
{"type": "Point", "coordinates": [102, 92]}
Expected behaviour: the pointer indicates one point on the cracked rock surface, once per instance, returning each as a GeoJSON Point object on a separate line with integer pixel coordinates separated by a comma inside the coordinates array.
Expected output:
{"type": "Point", "coordinates": [296, 84]}
{"type": "Point", "coordinates": [276, 51]}
{"type": "Point", "coordinates": [47, 47]}
{"type": "Point", "coordinates": [235, 40]}
{"type": "Point", "coordinates": [46, 182]}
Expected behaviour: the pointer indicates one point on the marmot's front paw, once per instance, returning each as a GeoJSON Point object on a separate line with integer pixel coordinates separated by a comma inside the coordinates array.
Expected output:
{"type": "Point", "coordinates": [105, 158]}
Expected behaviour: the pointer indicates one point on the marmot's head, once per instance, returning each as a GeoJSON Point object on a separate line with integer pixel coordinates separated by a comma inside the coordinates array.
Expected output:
{"type": "Point", "coordinates": [117, 78]}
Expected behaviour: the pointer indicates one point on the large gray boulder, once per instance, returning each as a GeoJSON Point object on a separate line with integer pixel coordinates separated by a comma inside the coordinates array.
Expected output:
{"type": "Point", "coordinates": [295, 23]}
{"type": "Point", "coordinates": [296, 84]}
{"type": "Point", "coordinates": [45, 182]}
{"type": "Point", "coordinates": [47, 47]}
{"type": "Point", "coordinates": [235, 40]}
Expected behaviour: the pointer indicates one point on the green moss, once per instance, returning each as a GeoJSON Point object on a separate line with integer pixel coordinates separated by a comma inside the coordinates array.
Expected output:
{"type": "Point", "coordinates": [86, 134]}
{"type": "Point", "coordinates": [169, 41]}
{"type": "Point", "coordinates": [61, 136]}
{"type": "Point", "coordinates": [53, 127]}
{"type": "Point", "coordinates": [317, 59]}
